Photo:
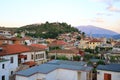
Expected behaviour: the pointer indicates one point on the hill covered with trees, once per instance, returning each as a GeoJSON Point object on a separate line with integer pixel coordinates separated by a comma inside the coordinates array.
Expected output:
{"type": "Point", "coordinates": [47, 30]}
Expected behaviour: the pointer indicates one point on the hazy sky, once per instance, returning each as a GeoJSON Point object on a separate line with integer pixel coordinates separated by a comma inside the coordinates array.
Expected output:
{"type": "Point", "coordinates": [101, 13]}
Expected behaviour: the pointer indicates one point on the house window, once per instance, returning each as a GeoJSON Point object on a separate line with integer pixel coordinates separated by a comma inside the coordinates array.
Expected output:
{"type": "Point", "coordinates": [11, 72]}
{"type": "Point", "coordinates": [98, 72]}
{"type": "Point", "coordinates": [3, 77]}
{"type": "Point", "coordinates": [11, 60]}
{"type": "Point", "coordinates": [32, 56]}
{"type": "Point", "coordinates": [36, 56]}
{"type": "Point", "coordinates": [25, 57]}
{"type": "Point", "coordinates": [3, 66]}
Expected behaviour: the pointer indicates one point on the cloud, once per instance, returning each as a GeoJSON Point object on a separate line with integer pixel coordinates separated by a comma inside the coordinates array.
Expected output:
{"type": "Point", "coordinates": [98, 20]}
{"type": "Point", "coordinates": [113, 9]}
{"type": "Point", "coordinates": [110, 5]}
{"type": "Point", "coordinates": [103, 14]}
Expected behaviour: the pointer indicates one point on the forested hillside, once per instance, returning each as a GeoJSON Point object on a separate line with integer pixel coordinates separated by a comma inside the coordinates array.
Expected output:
{"type": "Point", "coordinates": [47, 30]}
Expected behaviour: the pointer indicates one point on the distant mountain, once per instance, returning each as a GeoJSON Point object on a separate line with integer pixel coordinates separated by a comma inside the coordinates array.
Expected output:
{"type": "Point", "coordinates": [116, 36]}
{"type": "Point", "coordinates": [96, 31]}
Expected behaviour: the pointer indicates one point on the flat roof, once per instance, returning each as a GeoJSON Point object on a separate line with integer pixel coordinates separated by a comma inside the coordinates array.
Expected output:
{"type": "Point", "coordinates": [53, 65]}
{"type": "Point", "coordinates": [109, 67]}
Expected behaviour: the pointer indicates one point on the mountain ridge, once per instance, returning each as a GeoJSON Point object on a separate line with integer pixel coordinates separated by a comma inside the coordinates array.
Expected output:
{"type": "Point", "coordinates": [97, 31]}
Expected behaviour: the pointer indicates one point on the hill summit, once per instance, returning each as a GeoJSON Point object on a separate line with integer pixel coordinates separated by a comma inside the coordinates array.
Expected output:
{"type": "Point", "coordinates": [47, 30]}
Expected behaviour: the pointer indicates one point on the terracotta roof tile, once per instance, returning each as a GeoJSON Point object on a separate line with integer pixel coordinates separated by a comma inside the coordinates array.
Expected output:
{"type": "Point", "coordinates": [33, 48]}
{"type": "Point", "coordinates": [95, 40]}
{"type": "Point", "coordinates": [3, 38]}
{"type": "Point", "coordinates": [117, 44]}
{"type": "Point", "coordinates": [68, 51]}
{"type": "Point", "coordinates": [13, 49]}
{"type": "Point", "coordinates": [39, 46]}
{"type": "Point", "coordinates": [16, 39]}
{"type": "Point", "coordinates": [30, 63]}
{"type": "Point", "coordinates": [58, 43]}
{"type": "Point", "coordinates": [27, 38]}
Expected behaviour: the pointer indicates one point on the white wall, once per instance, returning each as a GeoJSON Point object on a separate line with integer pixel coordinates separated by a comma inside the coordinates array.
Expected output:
{"type": "Point", "coordinates": [52, 75]}
{"type": "Point", "coordinates": [14, 65]}
{"type": "Point", "coordinates": [114, 75]}
{"type": "Point", "coordinates": [64, 74]}
{"type": "Point", "coordinates": [29, 56]}
{"type": "Point", "coordinates": [21, 78]}
{"type": "Point", "coordinates": [4, 71]}
{"type": "Point", "coordinates": [32, 77]}
{"type": "Point", "coordinates": [83, 75]}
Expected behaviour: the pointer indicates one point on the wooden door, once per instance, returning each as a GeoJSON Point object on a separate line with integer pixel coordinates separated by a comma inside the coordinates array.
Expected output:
{"type": "Point", "coordinates": [107, 76]}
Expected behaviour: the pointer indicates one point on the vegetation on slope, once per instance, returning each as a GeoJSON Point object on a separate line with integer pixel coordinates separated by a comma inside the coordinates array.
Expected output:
{"type": "Point", "coordinates": [47, 30]}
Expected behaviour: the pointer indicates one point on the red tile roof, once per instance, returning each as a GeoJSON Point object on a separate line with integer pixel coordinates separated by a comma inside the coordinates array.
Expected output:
{"type": "Point", "coordinates": [30, 63]}
{"type": "Point", "coordinates": [58, 43]}
{"type": "Point", "coordinates": [3, 38]}
{"type": "Point", "coordinates": [95, 40]}
{"type": "Point", "coordinates": [68, 51]}
{"type": "Point", "coordinates": [13, 49]}
{"type": "Point", "coordinates": [117, 44]}
{"type": "Point", "coordinates": [27, 38]}
{"type": "Point", "coordinates": [16, 39]}
{"type": "Point", "coordinates": [39, 46]}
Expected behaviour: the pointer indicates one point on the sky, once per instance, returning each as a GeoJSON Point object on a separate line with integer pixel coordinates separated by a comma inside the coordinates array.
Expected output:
{"type": "Point", "coordinates": [100, 13]}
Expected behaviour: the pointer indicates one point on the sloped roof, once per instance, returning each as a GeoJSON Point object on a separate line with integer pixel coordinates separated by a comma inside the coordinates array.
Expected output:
{"type": "Point", "coordinates": [27, 38]}
{"type": "Point", "coordinates": [13, 49]}
{"type": "Point", "coordinates": [62, 51]}
{"type": "Point", "coordinates": [58, 43]}
{"type": "Point", "coordinates": [3, 38]}
{"type": "Point", "coordinates": [30, 63]}
{"type": "Point", "coordinates": [68, 51]}
{"type": "Point", "coordinates": [32, 48]}
{"type": "Point", "coordinates": [110, 67]}
{"type": "Point", "coordinates": [117, 44]}
{"type": "Point", "coordinates": [95, 40]}
{"type": "Point", "coordinates": [16, 39]}
{"type": "Point", "coordinates": [53, 65]}
{"type": "Point", "coordinates": [39, 46]}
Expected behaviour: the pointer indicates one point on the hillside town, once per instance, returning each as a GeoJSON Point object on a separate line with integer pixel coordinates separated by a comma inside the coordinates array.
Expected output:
{"type": "Point", "coordinates": [71, 56]}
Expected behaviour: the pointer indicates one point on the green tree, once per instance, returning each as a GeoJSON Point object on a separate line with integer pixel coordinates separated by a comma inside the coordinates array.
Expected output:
{"type": "Point", "coordinates": [76, 58]}
{"type": "Point", "coordinates": [62, 58]}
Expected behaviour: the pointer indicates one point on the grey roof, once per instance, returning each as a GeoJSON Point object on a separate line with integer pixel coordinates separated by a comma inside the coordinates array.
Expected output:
{"type": "Point", "coordinates": [53, 65]}
{"type": "Point", "coordinates": [110, 67]}
{"type": "Point", "coordinates": [43, 68]}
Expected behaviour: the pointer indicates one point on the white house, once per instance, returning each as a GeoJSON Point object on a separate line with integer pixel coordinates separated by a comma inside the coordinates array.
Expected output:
{"type": "Point", "coordinates": [57, 70]}
{"type": "Point", "coordinates": [13, 64]}
{"type": "Point", "coordinates": [4, 70]}
{"type": "Point", "coordinates": [108, 72]}
{"type": "Point", "coordinates": [35, 54]}
{"type": "Point", "coordinates": [6, 33]}
{"type": "Point", "coordinates": [10, 52]}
